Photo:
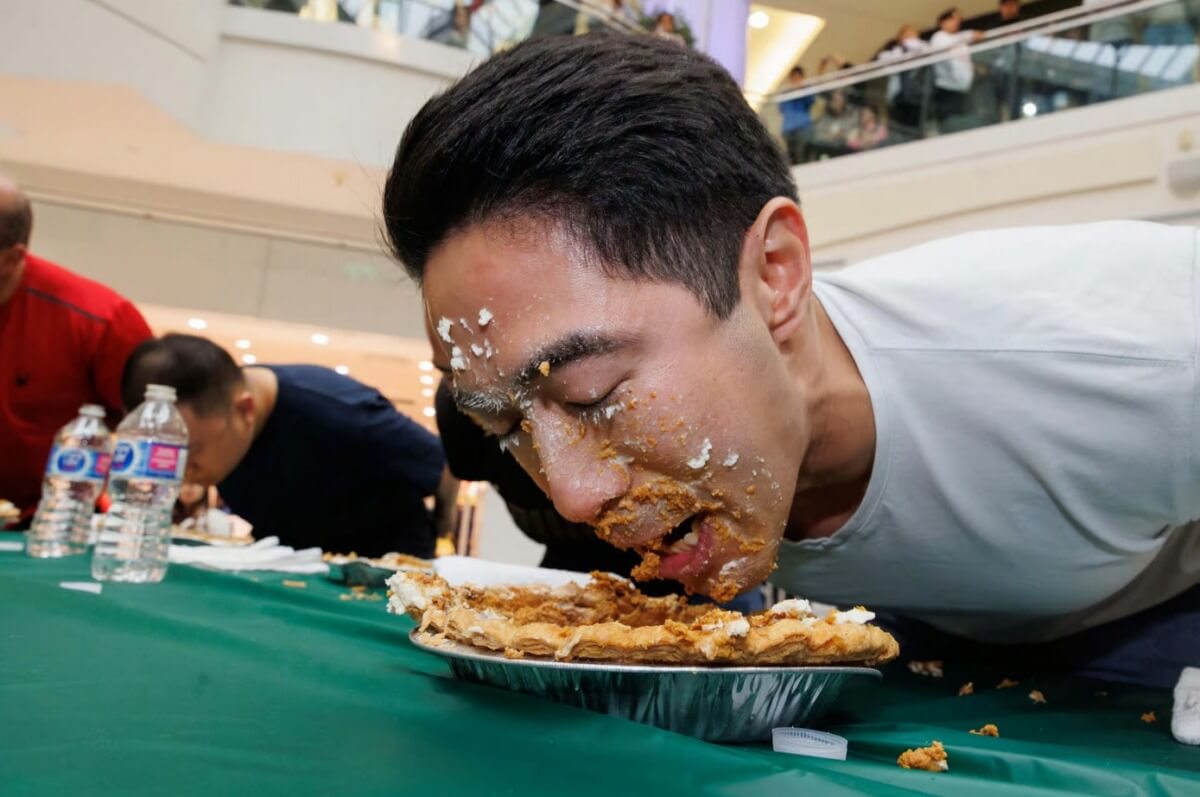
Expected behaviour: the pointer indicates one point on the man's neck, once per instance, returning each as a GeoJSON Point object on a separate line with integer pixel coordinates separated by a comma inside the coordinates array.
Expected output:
{"type": "Point", "coordinates": [841, 447]}
{"type": "Point", "coordinates": [264, 387]}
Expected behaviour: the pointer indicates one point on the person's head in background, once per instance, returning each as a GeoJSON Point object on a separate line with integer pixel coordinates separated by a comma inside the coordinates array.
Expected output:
{"type": "Point", "coordinates": [837, 104]}
{"type": "Point", "coordinates": [624, 292]}
{"type": "Point", "coordinates": [906, 33]}
{"type": "Point", "coordinates": [1010, 10]}
{"type": "Point", "coordinates": [830, 63]}
{"type": "Point", "coordinates": [665, 23]}
{"type": "Point", "coordinates": [220, 412]}
{"type": "Point", "coordinates": [795, 77]}
{"type": "Point", "coordinates": [950, 20]}
{"type": "Point", "coordinates": [16, 225]}
{"type": "Point", "coordinates": [462, 18]}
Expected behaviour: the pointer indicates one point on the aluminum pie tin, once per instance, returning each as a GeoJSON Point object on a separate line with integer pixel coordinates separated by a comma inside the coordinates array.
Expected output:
{"type": "Point", "coordinates": [718, 704]}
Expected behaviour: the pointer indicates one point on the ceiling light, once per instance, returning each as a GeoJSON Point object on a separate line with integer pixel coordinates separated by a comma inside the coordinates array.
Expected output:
{"type": "Point", "coordinates": [429, 412]}
{"type": "Point", "coordinates": [425, 365]}
{"type": "Point", "coordinates": [242, 343]}
{"type": "Point", "coordinates": [342, 369]}
{"type": "Point", "coordinates": [758, 19]}
{"type": "Point", "coordinates": [426, 379]}
{"type": "Point", "coordinates": [249, 359]}
{"type": "Point", "coordinates": [426, 392]}
{"type": "Point", "coordinates": [197, 323]}
{"type": "Point", "coordinates": [320, 338]}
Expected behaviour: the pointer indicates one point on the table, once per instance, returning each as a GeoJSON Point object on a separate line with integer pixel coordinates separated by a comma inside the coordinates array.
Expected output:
{"type": "Point", "coordinates": [216, 683]}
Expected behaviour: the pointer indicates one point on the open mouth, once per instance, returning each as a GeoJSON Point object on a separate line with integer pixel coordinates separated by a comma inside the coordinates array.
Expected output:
{"type": "Point", "coordinates": [686, 550]}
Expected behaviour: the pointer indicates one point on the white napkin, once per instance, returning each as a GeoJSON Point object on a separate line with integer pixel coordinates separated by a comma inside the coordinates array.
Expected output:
{"type": "Point", "coordinates": [458, 570]}
{"type": "Point", "coordinates": [1185, 719]}
{"type": "Point", "coordinates": [266, 554]}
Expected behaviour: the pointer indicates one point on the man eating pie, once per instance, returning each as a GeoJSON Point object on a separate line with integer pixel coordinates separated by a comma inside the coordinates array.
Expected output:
{"type": "Point", "coordinates": [995, 433]}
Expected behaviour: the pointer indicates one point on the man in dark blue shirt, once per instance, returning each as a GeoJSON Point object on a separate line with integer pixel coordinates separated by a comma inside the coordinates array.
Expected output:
{"type": "Point", "coordinates": [299, 451]}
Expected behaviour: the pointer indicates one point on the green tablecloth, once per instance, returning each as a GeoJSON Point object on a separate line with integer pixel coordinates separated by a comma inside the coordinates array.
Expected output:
{"type": "Point", "coordinates": [212, 683]}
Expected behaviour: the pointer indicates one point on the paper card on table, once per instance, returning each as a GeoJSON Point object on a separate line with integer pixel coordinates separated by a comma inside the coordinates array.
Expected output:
{"type": "Point", "coordinates": [12, 546]}
{"type": "Point", "coordinates": [82, 586]}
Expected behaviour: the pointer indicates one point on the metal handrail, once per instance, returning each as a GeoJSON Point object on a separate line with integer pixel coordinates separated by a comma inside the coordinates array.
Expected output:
{"type": "Point", "coordinates": [1048, 24]}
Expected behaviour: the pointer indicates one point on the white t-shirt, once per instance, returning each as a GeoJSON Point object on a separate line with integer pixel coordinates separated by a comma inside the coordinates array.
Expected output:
{"type": "Point", "coordinates": [956, 72]}
{"type": "Point", "coordinates": [1037, 463]}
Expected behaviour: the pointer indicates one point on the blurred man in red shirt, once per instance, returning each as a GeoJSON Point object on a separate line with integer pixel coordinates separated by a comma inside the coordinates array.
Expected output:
{"type": "Point", "coordinates": [63, 343]}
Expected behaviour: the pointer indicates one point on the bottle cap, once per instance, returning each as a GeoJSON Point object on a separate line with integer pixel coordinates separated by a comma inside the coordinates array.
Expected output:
{"type": "Point", "coordinates": [802, 741]}
{"type": "Point", "coordinates": [92, 411]}
{"type": "Point", "coordinates": [160, 393]}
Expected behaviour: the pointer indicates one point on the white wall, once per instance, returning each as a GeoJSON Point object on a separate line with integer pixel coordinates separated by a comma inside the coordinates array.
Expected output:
{"type": "Point", "coordinates": [1103, 162]}
{"type": "Point", "coordinates": [162, 48]}
{"type": "Point", "coordinates": [340, 91]}
{"type": "Point", "coordinates": [244, 76]}
{"type": "Point", "coordinates": [204, 268]}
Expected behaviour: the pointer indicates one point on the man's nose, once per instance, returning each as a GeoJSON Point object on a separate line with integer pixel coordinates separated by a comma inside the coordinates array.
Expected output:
{"type": "Point", "coordinates": [577, 477]}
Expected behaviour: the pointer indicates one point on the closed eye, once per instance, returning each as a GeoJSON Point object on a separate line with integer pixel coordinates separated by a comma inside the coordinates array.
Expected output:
{"type": "Point", "coordinates": [598, 411]}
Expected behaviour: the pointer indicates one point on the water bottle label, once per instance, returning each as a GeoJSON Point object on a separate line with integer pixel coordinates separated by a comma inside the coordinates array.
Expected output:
{"type": "Point", "coordinates": [78, 464]}
{"type": "Point", "coordinates": [146, 459]}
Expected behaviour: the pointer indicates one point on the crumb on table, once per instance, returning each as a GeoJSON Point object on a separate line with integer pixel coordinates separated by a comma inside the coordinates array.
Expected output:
{"type": "Point", "coordinates": [931, 759]}
{"type": "Point", "coordinates": [287, 582]}
{"type": "Point", "coordinates": [987, 730]}
{"type": "Point", "coordinates": [1149, 717]}
{"type": "Point", "coordinates": [1037, 697]}
{"type": "Point", "coordinates": [1007, 683]}
{"type": "Point", "coordinates": [966, 689]}
{"type": "Point", "coordinates": [932, 668]}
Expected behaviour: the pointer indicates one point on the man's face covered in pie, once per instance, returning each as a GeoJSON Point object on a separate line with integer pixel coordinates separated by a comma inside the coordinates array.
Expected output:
{"type": "Point", "coordinates": [671, 431]}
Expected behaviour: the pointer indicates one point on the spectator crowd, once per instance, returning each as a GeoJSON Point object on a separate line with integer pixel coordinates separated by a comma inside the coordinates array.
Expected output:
{"type": "Point", "coordinates": [950, 88]}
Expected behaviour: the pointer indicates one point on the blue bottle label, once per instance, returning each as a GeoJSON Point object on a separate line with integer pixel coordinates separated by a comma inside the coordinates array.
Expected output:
{"type": "Point", "coordinates": [78, 464]}
{"type": "Point", "coordinates": [148, 459]}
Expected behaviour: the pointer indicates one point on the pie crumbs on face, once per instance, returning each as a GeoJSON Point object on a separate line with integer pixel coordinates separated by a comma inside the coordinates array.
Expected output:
{"type": "Point", "coordinates": [931, 759]}
{"type": "Point", "coordinates": [610, 620]}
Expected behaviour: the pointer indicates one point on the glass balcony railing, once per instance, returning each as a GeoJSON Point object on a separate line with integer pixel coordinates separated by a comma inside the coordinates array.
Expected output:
{"type": "Point", "coordinates": [1086, 56]}
{"type": "Point", "coordinates": [482, 27]}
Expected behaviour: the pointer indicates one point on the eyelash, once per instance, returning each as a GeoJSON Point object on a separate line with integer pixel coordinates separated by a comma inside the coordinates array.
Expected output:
{"type": "Point", "coordinates": [596, 412]}
{"type": "Point", "coordinates": [593, 413]}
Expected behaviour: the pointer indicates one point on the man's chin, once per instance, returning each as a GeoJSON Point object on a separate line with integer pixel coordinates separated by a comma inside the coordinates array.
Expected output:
{"type": "Point", "coordinates": [733, 572]}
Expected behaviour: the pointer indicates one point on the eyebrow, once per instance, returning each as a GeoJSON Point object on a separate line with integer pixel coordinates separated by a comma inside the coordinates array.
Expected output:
{"type": "Point", "coordinates": [570, 348]}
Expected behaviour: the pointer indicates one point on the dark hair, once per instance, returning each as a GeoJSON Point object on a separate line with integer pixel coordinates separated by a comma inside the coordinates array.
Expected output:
{"type": "Point", "coordinates": [945, 15]}
{"type": "Point", "coordinates": [16, 222]}
{"type": "Point", "coordinates": [645, 151]}
{"type": "Point", "coordinates": [203, 374]}
{"type": "Point", "coordinates": [797, 69]}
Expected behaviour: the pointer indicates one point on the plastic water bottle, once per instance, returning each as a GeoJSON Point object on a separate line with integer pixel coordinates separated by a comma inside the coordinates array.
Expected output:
{"type": "Point", "coordinates": [147, 469]}
{"type": "Point", "coordinates": [74, 478]}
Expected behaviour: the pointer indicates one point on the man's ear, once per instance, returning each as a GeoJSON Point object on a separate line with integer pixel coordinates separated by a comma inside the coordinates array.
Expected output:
{"type": "Point", "coordinates": [14, 254]}
{"type": "Point", "coordinates": [244, 407]}
{"type": "Point", "coordinates": [776, 267]}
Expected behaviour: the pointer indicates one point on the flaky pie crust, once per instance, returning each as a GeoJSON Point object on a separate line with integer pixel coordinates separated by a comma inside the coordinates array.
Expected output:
{"type": "Point", "coordinates": [609, 620]}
